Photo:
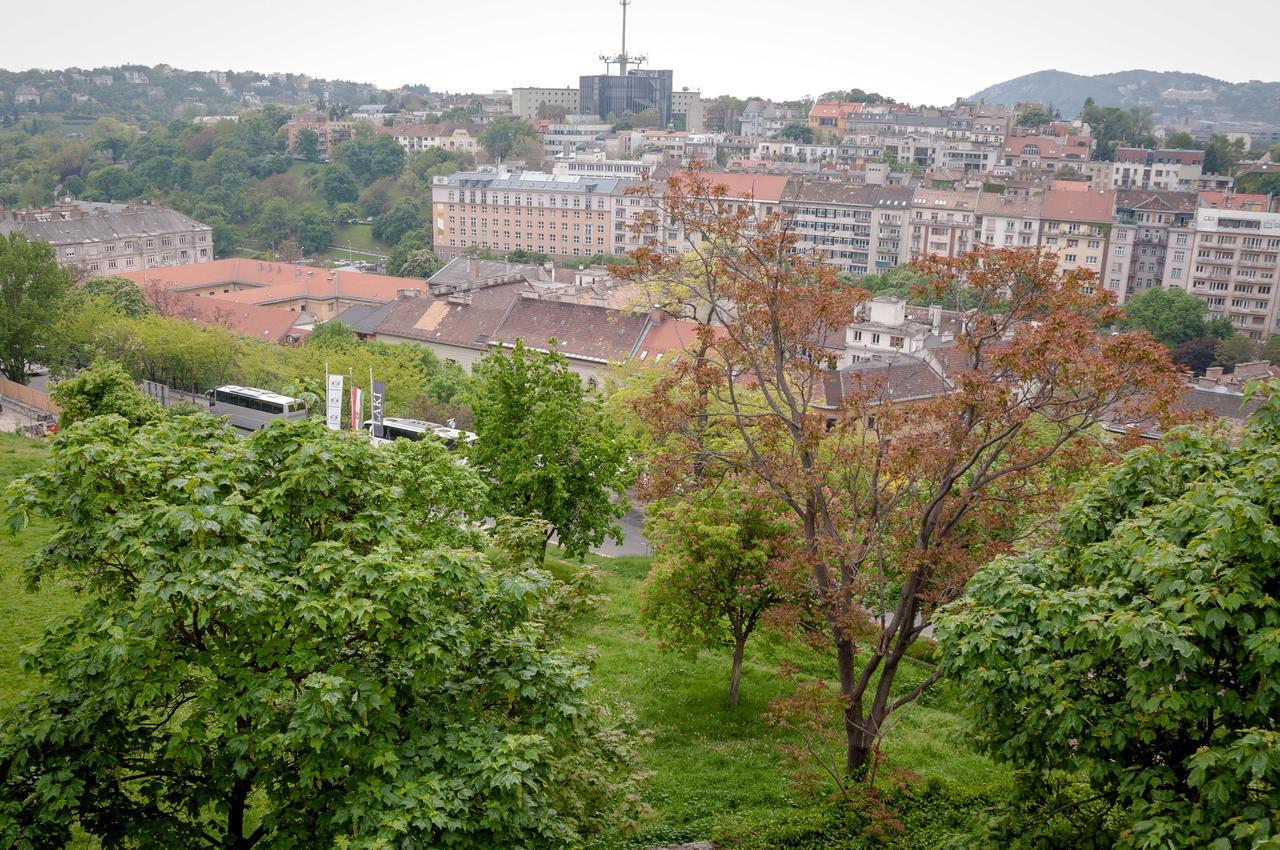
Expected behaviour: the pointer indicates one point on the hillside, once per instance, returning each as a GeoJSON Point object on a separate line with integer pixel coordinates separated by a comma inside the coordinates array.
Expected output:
{"type": "Point", "coordinates": [1172, 94]}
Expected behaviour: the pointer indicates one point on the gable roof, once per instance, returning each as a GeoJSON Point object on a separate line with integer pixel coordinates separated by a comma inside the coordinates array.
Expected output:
{"type": "Point", "coordinates": [582, 331]}
{"type": "Point", "coordinates": [467, 321]}
{"type": "Point", "coordinates": [266, 323]}
{"type": "Point", "coordinates": [274, 282]}
{"type": "Point", "coordinates": [759, 187]}
{"type": "Point", "coordinates": [1079, 206]}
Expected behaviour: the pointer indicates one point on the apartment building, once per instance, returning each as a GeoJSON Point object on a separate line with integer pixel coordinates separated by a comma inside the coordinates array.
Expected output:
{"type": "Point", "coordinates": [108, 239]}
{"type": "Point", "coordinates": [415, 138]}
{"type": "Point", "coordinates": [1074, 225]}
{"type": "Point", "coordinates": [1236, 257]}
{"type": "Point", "coordinates": [525, 101]}
{"type": "Point", "coordinates": [598, 164]}
{"type": "Point", "coordinates": [1140, 245]}
{"type": "Point", "coordinates": [557, 214]}
{"type": "Point", "coordinates": [858, 229]}
{"type": "Point", "coordinates": [562, 139]}
{"type": "Point", "coordinates": [828, 119]}
{"type": "Point", "coordinates": [329, 133]}
{"type": "Point", "coordinates": [941, 223]}
{"type": "Point", "coordinates": [1009, 219]}
{"type": "Point", "coordinates": [1166, 169]}
{"type": "Point", "coordinates": [686, 111]}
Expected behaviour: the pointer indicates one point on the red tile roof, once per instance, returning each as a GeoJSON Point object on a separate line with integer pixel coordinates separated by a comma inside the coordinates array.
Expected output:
{"type": "Point", "coordinates": [1066, 205]}
{"type": "Point", "coordinates": [273, 282]}
{"type": "Point", "coordinates": [759, 187]}
{"type": "Point", "coordinates": [582, 331]}
{"type": "Point", "coordinates": [1234, 201]}
{"type": "Point", "coordinates": [268, 323]}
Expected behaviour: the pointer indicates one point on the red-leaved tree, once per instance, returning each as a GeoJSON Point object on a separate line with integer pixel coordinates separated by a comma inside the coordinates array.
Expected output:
{"type": "Point", "coordinates": [896, 515]}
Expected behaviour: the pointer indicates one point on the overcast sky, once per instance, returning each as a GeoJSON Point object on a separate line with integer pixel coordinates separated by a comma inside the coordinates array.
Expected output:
{"type": "Point", "coordinates": [923, 51]}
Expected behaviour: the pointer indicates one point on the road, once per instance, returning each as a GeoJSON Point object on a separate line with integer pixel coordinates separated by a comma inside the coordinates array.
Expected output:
{"type": "Point", "coordinates": [633, 539]}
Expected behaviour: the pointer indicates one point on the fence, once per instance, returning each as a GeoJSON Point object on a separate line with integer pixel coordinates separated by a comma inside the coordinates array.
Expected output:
{"type": "Point", "coordinates": [26, 396]}
{"type": "Point", "coordinates": [169, 396]}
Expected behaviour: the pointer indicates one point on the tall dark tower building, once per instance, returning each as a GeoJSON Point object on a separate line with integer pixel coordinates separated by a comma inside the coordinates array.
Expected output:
{"type": "Point", "coordinates": [631, 89]}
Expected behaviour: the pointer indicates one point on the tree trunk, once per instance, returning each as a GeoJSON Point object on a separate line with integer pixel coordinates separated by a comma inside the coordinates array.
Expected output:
{"type": "Point", "coordinates": [735, 676]}
{"type": "Point", "coordinates": [859, 737]}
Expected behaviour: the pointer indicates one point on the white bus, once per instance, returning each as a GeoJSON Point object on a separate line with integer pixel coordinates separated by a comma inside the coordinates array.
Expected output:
{"type": "Point", "coordinates": [251, 408]}
{"type": "Point", "coordinates": [415, 429]}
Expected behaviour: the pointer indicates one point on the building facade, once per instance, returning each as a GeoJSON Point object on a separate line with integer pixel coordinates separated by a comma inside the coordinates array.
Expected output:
{"type": "Point", "coordinates": [606, 95]}
{"type": "Point", "coordinates": [1234, 259]}
{"type": "Point", "coordinates": [108, 239]}
{"type": "Point", "coordinates": [525, 101]}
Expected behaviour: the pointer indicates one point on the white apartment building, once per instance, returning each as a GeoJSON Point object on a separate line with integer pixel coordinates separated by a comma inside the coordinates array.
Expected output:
{"type": "Point", "coordinates": [525, 101]}
{"type": "Point", "coordinates": [1234, 259]}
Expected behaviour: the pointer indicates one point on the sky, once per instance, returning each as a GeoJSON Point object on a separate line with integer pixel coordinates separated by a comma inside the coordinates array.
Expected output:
{"type": "Point", "coordinates": [923, 51]}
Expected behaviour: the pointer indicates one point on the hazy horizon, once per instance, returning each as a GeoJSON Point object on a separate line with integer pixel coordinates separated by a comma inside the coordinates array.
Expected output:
{"type": "Point", "coordinates": [489, 45]}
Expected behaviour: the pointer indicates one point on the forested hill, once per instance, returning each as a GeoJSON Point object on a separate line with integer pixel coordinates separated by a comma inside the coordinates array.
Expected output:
{"type": "Point", "coordinates": [1171, 94]}
{"type": "Point", "coordinates": [141, 94]}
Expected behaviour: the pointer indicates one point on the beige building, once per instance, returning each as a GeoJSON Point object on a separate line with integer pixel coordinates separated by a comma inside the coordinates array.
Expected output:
{"type": "Point", "coordinates": [329, 133]}
{"type": "Point", "coordinates": [1234, 260]}
{"type": "Point", "coordinates": [689, 105]}
{"type": "Point", "coordinates": [415, 138]}
{"type": "Point", "coordinates": [560, 215]}
{"type": "Point", "coordinates": [525, 101]}
{"type": "Point", "coordinates": [857, 229]}
{"type": "Point", "coordinates": [107, 239]}
{"type": "Point", "coordinates": [1075, 224]}
{"type": "Point", "coordinates": [941, 223]}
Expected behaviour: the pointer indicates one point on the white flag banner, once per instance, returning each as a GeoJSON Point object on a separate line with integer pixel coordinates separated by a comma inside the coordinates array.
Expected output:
{"type": "Point", "coordinates": [333, 403]}
{"type": "Point", "coordinates": [357, 407]}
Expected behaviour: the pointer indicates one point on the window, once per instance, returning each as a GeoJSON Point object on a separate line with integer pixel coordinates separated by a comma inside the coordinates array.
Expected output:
{"type": "Point", "coordinates": [875, 339]}
{"type": "Point", "coordinates": [1070, 258]}
{"type": "Point", "coordinates": [895, 342]}
{"type": "Point", "coordinates": [1119, 251]}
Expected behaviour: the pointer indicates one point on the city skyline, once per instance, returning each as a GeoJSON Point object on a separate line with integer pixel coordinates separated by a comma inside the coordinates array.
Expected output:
{"type": "Point", "coordinates": [446, 49]}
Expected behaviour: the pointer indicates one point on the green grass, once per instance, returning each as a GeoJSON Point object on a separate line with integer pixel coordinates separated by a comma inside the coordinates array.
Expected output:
{"type": "Point", "coordinates": [23, 615]}
{"type": "Point", "coordinates": [713, 766]}
{"type": "Point", "coordinates": [360, 237]}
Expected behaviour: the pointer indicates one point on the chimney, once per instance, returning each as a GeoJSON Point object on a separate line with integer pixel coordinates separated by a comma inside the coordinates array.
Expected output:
{"type": "Point", "coordinates": [473, 268]}
{"type": "Point", "coordinates": [935, 318]}
{"type": "Point", "coordinates": [1214, 374]}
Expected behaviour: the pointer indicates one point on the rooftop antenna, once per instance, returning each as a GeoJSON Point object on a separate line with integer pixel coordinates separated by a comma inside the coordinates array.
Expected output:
{"type": "Point", "coordinates": [622, 60]}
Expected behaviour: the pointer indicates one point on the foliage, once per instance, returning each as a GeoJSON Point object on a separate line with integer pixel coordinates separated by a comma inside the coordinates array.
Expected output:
{"type": "Point", "coordinates": [1114, 127]}
{"type": "Point", "coordinates": [1141, 647]}
{"type": "Point", "coordinates": [1035, 117]}
{"type": "Point", "coordinates": [392, 226]}
{"type": "Point", "coordinates": [504, 135]}
{"type": "Point", "coordinates": [369, 159]}
{"type": "Point", "coordinates": [270, 654]}
{"type": "Point", "coordinates": [339, 185]}
{"type": "Point", "coordinates": [546, 448]}
{"type": "Point", "coordinates": [31, 286]}
{"type": "Point", "coordinates": [120, 291]}
{"type": "Point", "coordinates": [1172, 316]}
{"type": "Point", "coordinates": [102, 389]}
{"type": "Point", "coordinates": [1195, 355]}
{"type": "Point", "coordinates": [306, 145]}
{"type": "Point", "coordinates": [415, 240]}
{"type": "Point", "coordinates": [897, 518]}
{"type": "Point", "coordinates": [1222, 153]}
{"type": "Point", "coordinates": [855, 96]}
{"type": "Point", "coordinates": [797, 133]}
{"type": "Point", "coordinates": [421, 262]}
{"type": "Point", "coordinates": [1270, 350]}
{"type": "Point", "coordinates": [1233, 350]}
{"type": "Point", "coordinates": [722, 559]}
{"type": "Point", "coordinates": [331, 334]}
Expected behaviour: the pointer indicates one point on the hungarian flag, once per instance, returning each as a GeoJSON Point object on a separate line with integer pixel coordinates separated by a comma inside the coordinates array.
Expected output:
{"type": "Point", "coordinates": [357, 408]}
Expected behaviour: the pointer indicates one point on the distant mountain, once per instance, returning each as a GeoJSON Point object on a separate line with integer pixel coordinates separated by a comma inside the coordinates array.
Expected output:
{"type": "Point", "coordinates": [1172, 94]}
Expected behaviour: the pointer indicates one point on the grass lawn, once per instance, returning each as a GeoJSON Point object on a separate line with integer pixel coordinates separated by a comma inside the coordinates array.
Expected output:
{"type": "Point", "coordinates": [360, 237]}
{"type": "Point", "coordinates": [713, 766]}
{"type": "Point", "coordinates": [23, 615]}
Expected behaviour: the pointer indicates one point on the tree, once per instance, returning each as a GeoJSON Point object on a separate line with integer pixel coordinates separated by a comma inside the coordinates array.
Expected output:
{"type": "Point", "coordinates": [339, 185]}
{"type": "Point", "coordinates": [547, 449]}
{"type": "Point", "coordinates": [315, 230]}
{"type": "Point", "coordinates": [1232, 350]}
{"type": "Point", "coordinates": [721, 562]}
{"type": "Point", "coordinates": [422, 263]}
{"type": "Point", "coordinates": [306, 145]}
{"type": "Point", "coordinates": [1035, 117]}
{"type": "Point", "coordinates": [1195, 355]}
{"type": "Point", "coordinates": [1270, 350]}
{"type": "Point", "coordinates": [1172, 316]}
{"type": "Point", "coordinates": [102, 389]}
{"type": "Point", "coordinates": [552, 112]}
{"type": "Point", "coordinates": [392, 225]}
{"type": "Point", "coordinates": [1222, 153]}
{"type": "Point", "coordinates": [113, 184]}
{"type": "Point", "coordinates": [275, 222]}
{"type": "Point", "coordinates": [798, 133]}
{"type": "Point", "coordinates": [119, 291]}
{"type": "Point", "coordinates": [271, 655]}
{"type": "Point", "coordinates": [330, 334]}
{"type": "Point", "coordinates": [1141, 646]}
{"type": "Point", "coordinates": [1180, 141]}
{"type": "Point", "coordinates": [503, 135]}
{"type": "Point", "coordinates": [31, 288]}
{"type": "Point", "coordinates": [415, 240]}
{"type": "Point", "coordinates": [895, 515]}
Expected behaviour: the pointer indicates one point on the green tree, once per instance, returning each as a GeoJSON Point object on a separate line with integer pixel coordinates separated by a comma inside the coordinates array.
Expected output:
{"type": "Point", "coordinates": [104, 388]}
{"type": "Point", "coordinates": [113, 184]}
{"type": "Point", "coordinates": [391, 226]}
{"type": "Point", "coordinates": [503, 135]}
{"type": "Point", "coordinates": [422, 263]}
{"type": "Point", "coordinates": [120, 291]}
{"type": "Point", "coordinates": [1180, 141]}
{"type": "Point", "coordinates": [722, 559]}
{"type": "Point", "coordinates": [1141, 647]}
{"type": "Point", "coordinates": [1172, 316]}
{"type": "Point", "coordinates": [1232, 350]}
{"type": "Point", "coordinates": [275, 222]}
{"type": "Point", "coordinates": [330, 334]}
{"type": "Point", "coordinates": [1270, 350]}
{"type": "Point", "coordinates": [547, 448]}
{"type": "Point", "coordinates": [306, 145]}
{"type": "Point", "coordinates": [1035, 117]}
{"type": "Point", "coordinates": [1221, 154]}
{"type": "Point", "coordinates": [315, 230]}
{"type": "Point", "coordinates": [32, 286]}
{"type": "Point", "coordinates": [271, 655]}
{"type": "Point", "coordinates": [798, 133]}
{"type": "Point", "coordinates": [415, 240]}
{"type": "Point", "coordinates": [339, 185]}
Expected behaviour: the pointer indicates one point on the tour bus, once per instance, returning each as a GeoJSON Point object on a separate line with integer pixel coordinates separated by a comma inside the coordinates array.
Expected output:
{"type": "Point", "coordinates": [415, 429]}
{"type": "Point", "coordinates": [251, 408]}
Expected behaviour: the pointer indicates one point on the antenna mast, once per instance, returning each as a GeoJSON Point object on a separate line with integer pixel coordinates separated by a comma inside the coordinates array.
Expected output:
{"type": "Point", "coordinates": [622, 60]}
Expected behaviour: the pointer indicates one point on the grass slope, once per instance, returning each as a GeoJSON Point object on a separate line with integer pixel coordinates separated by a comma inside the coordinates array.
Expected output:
{"type": "Point", "coordinates": [23, 615]}
{"type": "Point", "coordinates": [715, 768]}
